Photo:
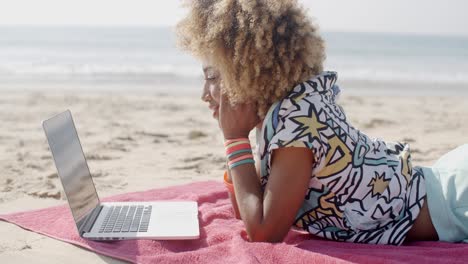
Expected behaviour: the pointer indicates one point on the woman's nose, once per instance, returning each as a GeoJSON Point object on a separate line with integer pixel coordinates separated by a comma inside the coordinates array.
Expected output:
{"type": "Point", "coordinates": [205, 97]}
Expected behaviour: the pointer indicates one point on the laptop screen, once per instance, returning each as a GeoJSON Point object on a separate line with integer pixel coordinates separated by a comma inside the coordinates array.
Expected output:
{"type": "Point", "coordinates": [71, 165]}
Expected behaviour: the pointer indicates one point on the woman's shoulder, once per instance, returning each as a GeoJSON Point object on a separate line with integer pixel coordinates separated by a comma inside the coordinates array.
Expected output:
{"type": "Point", "coordinates": [300, 118]}
{"type": "Point", "coordinates": [322, 83]}
{"type": "Point", "coordinates": [312, 95]}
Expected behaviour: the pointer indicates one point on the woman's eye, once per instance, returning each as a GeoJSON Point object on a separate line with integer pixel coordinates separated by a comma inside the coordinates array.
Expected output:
{"type": "Point", "coordinates": [210, 78]}
{"type": "Point", "coordinates": [210, 74]}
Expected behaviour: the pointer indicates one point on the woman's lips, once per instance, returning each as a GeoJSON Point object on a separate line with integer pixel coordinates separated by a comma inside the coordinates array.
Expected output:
{"type": "Point", "coordinates": [215, 109]}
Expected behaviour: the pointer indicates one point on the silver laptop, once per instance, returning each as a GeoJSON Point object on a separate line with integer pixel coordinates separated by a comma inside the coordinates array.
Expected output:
{"type": "Point", "coordinates": [164, 220]}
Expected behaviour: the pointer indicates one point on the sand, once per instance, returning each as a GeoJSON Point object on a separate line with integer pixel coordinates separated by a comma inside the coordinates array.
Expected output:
{"type": "Point", "coordinates": [147, 140]}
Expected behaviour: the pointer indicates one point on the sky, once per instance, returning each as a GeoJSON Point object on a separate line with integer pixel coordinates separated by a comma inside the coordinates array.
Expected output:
{"type": "Point", "coordinates": [438, 17]}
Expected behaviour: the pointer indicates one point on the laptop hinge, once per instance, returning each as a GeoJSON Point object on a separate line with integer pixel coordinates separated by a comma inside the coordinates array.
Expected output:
{"type": "Point", "coordinates": [90, 220]}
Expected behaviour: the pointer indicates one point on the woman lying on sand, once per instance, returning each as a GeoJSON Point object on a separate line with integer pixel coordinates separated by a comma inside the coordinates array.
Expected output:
{"type": "Point", "coordinates": [263, 63]}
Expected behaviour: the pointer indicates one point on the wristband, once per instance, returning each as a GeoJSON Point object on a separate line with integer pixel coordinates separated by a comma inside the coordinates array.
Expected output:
{"type": "Point", "coordinates": [247, 156]}
{"type": "Point", "coordinates": [230, 141]}
{"type": "Point", "coordinates": [235, 143]}
{"type": "Point", "coordinates": [235, 149]}
{"type": "Point", "coordinates": [238, 146]}
{"type": "Point", "coordinates": [230, 150]}
{"type": "Point", "coordinates": [242, 162]}
{"type": "Point", "coordinates": [239, 152]}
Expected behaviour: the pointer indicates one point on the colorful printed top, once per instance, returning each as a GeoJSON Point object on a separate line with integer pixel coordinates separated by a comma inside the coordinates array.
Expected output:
{"type": "Point", "coordinates": [361, 189]}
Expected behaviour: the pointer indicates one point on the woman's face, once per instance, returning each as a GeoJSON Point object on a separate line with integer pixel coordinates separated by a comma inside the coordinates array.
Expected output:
{"type": "Point", "coordinates": [212, 89]}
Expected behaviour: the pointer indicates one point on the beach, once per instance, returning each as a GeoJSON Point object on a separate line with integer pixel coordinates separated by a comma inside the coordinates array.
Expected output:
{"type": "Point", "coordinates": [136, 141]}
{"type": "Point", "coordinates": [135, 100]}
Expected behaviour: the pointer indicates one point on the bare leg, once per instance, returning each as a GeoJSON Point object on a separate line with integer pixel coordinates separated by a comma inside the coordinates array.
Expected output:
{"type": "Point", "coordinates": [423, 229]}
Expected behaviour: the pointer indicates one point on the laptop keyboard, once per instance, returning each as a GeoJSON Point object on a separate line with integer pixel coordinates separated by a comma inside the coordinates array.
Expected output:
{"type": "Point", "coordinates": [128, 218]}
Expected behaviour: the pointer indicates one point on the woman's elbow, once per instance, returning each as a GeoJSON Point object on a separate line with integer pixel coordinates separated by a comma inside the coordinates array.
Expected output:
{"type": "Point", "coordinates": [259, 236]}
{"type": "Point", "coordinates": [267, 240]}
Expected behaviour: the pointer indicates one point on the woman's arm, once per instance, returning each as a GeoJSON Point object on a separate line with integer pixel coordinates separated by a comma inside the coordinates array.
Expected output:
{"type": "Point", "coordinates": [269, 216]}
{"type": "Point", "coordinates": [232, 196]}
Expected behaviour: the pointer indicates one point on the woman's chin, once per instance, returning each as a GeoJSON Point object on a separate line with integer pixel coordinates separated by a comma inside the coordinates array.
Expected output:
{"type": "Point", "coordinates": [215, 115]}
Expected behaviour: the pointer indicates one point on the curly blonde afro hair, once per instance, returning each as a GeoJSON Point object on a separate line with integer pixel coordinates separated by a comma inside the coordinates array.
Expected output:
{"type": "Point", "coordinates": [262, 49]}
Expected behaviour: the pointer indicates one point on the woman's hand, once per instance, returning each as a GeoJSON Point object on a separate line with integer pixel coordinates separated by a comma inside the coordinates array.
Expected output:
{"type": "Point", "coordinates": [237, 121]}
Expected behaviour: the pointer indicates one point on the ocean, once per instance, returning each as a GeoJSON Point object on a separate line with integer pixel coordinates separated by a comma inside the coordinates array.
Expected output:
{"type": "Point", "coordinates": [147, 58]}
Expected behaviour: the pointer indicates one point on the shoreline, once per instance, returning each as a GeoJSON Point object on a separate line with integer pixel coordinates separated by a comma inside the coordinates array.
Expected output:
{"type": "Point", "coordinates": [194, 87]}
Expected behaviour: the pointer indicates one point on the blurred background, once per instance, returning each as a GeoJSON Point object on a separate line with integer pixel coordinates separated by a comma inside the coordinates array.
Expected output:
{"type": "Point", "coordinates": [415, 46]}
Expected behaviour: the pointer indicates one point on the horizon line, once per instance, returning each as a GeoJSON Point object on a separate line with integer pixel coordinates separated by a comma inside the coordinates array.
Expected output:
{"type": "Point", "coordinates": [102, 26]}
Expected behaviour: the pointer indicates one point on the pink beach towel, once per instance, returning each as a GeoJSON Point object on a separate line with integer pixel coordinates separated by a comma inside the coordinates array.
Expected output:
{"type": "Point", "coordinates": [223, 239]}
